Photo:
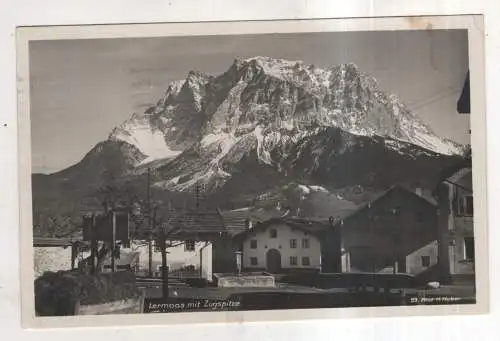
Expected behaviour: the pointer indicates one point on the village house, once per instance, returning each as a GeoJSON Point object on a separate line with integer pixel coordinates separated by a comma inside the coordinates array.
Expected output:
{"type": "Point", "coordinates": [236, 223]}
{"type": "Point", "coordinates": [56, 254]}
{"type": "Point", "coordinates": [281, 245]}
{"type": "Point", "coordinates": [456, 228]}
{"type": "Point", "coordinates": [396, 233]}
{"type": "Point", "coordinates": [190, 235]}
{"type": "Point", "coordinates": [190, 239]}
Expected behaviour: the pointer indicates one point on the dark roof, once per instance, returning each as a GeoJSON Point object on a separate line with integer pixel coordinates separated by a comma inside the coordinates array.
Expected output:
{"type": "Point", "coordinates": [383, 195]}
{"type": "Point", "coordinates": [463, 104]}
{"type": "Point", "coordinates": [196, 222]}
{"type": "Point", "coordinates": [53, 242]}
{"type": "Point", "coordinates": [236, 221]}
{"type": "Point", "coordinates": [452, 174]}
{"type": "Point", "coordinates": [306, 225]}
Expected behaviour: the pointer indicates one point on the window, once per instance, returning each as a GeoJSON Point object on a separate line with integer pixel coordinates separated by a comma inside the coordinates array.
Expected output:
{"type": "Point", "coordinates": [305, 243]}
{"type": "Point", "coordinates": [253, 244]}
{"type": "Point", "coordinates": [273, 233]}
{"type": "Point", "coordinates": [305, 261]}
{"type": "Point", "coordinates": [465, 205]}
{"type": "Point", "coordinates": [426, 261]}
{"type": "Point", "coordinates": [293, 260]}
{"type": "Point", "coordinates": [293, 243]}
{"type": "Point", "coordinates": [253, 261]}
{"type": "Point", "coordinates": [189, 245]}
{"type": "Point", "coordinates": [469, 248]}
{"type": "Point", "coordinates": [469, 205]}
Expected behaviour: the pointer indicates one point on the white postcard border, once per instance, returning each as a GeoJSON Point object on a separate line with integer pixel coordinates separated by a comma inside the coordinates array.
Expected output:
{"type": "Point", "coordinates": [474, 25]}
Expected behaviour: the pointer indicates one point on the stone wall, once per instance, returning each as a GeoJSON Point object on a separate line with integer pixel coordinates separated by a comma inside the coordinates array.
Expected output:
{"type": "Point", "coordinates": [130, 306]}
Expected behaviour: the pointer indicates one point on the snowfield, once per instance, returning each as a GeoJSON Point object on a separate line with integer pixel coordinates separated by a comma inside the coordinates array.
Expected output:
{"type": "Point", "coordinates": [263, 97]}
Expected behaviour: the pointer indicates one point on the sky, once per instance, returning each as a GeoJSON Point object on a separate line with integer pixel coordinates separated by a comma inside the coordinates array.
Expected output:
{"type": "Point", "coordinates": [81, 89]}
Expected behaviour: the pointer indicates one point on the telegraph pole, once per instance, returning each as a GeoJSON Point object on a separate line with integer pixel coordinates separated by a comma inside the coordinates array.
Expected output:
{"type": "Point", "coordinates": [150, 229]}
{"type": "Point", "coordinates": [164, 267]}
{"type": "Point", "coordinates": [93, 245]}
{"type": "Point", "coordinates": [113, 242]}
{"type": "Point", "coordinates": [197, 195]}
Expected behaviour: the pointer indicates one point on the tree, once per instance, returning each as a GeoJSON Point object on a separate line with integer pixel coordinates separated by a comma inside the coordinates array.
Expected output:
{"type": "Point", "coordinates": [115, 195]}
{"type": "Point", "coordinates": [47, 223]}
{"type": "Point", "coordinates": [467, 153]}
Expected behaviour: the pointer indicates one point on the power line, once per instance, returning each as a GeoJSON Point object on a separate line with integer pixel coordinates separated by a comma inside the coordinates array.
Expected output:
{"type": "Point", "coordinates": [422, 103]}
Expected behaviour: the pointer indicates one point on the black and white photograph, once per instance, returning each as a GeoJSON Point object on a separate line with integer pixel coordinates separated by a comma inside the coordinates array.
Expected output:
{"type": "Point", "coordinates": [265, 171]}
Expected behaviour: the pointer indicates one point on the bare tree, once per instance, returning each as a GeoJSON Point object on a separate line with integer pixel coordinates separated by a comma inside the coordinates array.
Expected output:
{"type": "Point", "coordinates": [47, 223]}
{"type": "Point", "coordinates": [115, 195]}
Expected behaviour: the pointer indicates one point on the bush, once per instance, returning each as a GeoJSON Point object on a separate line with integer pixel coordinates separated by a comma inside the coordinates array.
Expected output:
{"type": "Point", "coordinates": [56, 293]}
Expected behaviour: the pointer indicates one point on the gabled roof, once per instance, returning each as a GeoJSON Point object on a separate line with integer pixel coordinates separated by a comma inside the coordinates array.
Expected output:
{"type": "Point", "coordinates": [458, 175]}
{"type": "Point", "coordinates": [306, 225]}
{"type": "Point", "coordinates": [191, 221]}
{"type": "Point", "coordinates": [382, 195]}
{"type": "Point", "coordinates": [236, 221]}
{"type": "Point", "coordinates": [463, 103]}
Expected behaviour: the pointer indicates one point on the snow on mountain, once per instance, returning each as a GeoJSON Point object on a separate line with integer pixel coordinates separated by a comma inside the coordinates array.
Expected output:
{"type": "Point", "coordinates": [138, 132]}
{"type": "Point", "coordinates": [207, 124]}
{"type": "Point", "coordinates": [330, 137]}
{"type": "Point", "coordinates": [273, 99]}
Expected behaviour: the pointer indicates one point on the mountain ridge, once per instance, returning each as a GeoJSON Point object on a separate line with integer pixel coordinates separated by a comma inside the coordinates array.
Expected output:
{"type": "Point", "coordinates": [241, 106]}
{"type": "Point", "coordinates": [255, 129]}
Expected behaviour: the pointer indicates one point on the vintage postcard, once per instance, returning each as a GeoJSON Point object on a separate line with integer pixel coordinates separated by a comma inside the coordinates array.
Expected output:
{"type": "Point", "coordinates": [252, 171]}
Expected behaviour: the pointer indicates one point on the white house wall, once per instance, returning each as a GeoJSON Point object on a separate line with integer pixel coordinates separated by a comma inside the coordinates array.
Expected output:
{"type": "Point", "coordinates": [54, 259]}
{"type": "Point", "coordinates": [282, 244]}
{"type": "Point", "coordinates": [177, 257]}
{"type": "Point", "coordinates": [460, 227]}
{"type": "Point", "coordinates": [51, 259]}
{"type": "Point", "coordinates": [414, 264]}
{"type": "Point", "coordinates": [457, 255]}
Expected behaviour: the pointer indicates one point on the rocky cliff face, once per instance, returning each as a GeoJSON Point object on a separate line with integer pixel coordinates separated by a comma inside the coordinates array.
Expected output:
{"type": "Point", "coordinates": [264, 124]}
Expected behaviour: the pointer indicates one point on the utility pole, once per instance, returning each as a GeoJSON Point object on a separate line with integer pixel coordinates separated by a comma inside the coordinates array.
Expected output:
{"type": "Point", "coordinates": [113, 242]}
{"type": "Point", "coordinates": [197, 195]}
{"type": "Point", "coordinates": [164, 267]}
{"type": "Point", "coordinates": [370, 228]}
{"type": "Point", "coordinates": [150, 229]}
{"type": "Point", "coordinates": [93, 245]}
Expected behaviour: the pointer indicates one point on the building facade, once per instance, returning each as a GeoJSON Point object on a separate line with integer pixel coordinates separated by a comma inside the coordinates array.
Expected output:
{"type": "Point", "coordinates": [182, 255]}
{"type": "Point", "coordinates": [456, 208]}
{"type": "Point", "coordinates": [282, 245]}
{"type": "Point", "coordinates": [394, 233]}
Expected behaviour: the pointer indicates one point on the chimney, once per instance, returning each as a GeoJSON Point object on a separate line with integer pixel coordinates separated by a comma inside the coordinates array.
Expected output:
{"type": "Point", "coordinates": [418, 188]}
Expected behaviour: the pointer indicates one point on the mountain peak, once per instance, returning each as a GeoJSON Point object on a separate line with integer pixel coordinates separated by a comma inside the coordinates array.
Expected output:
{"type": "Point", "coordinates": [271, 60]}
{"type": "Point", "coordinates": [197, 75]}
{"type": "Point", "coordinates": [279, 96]}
